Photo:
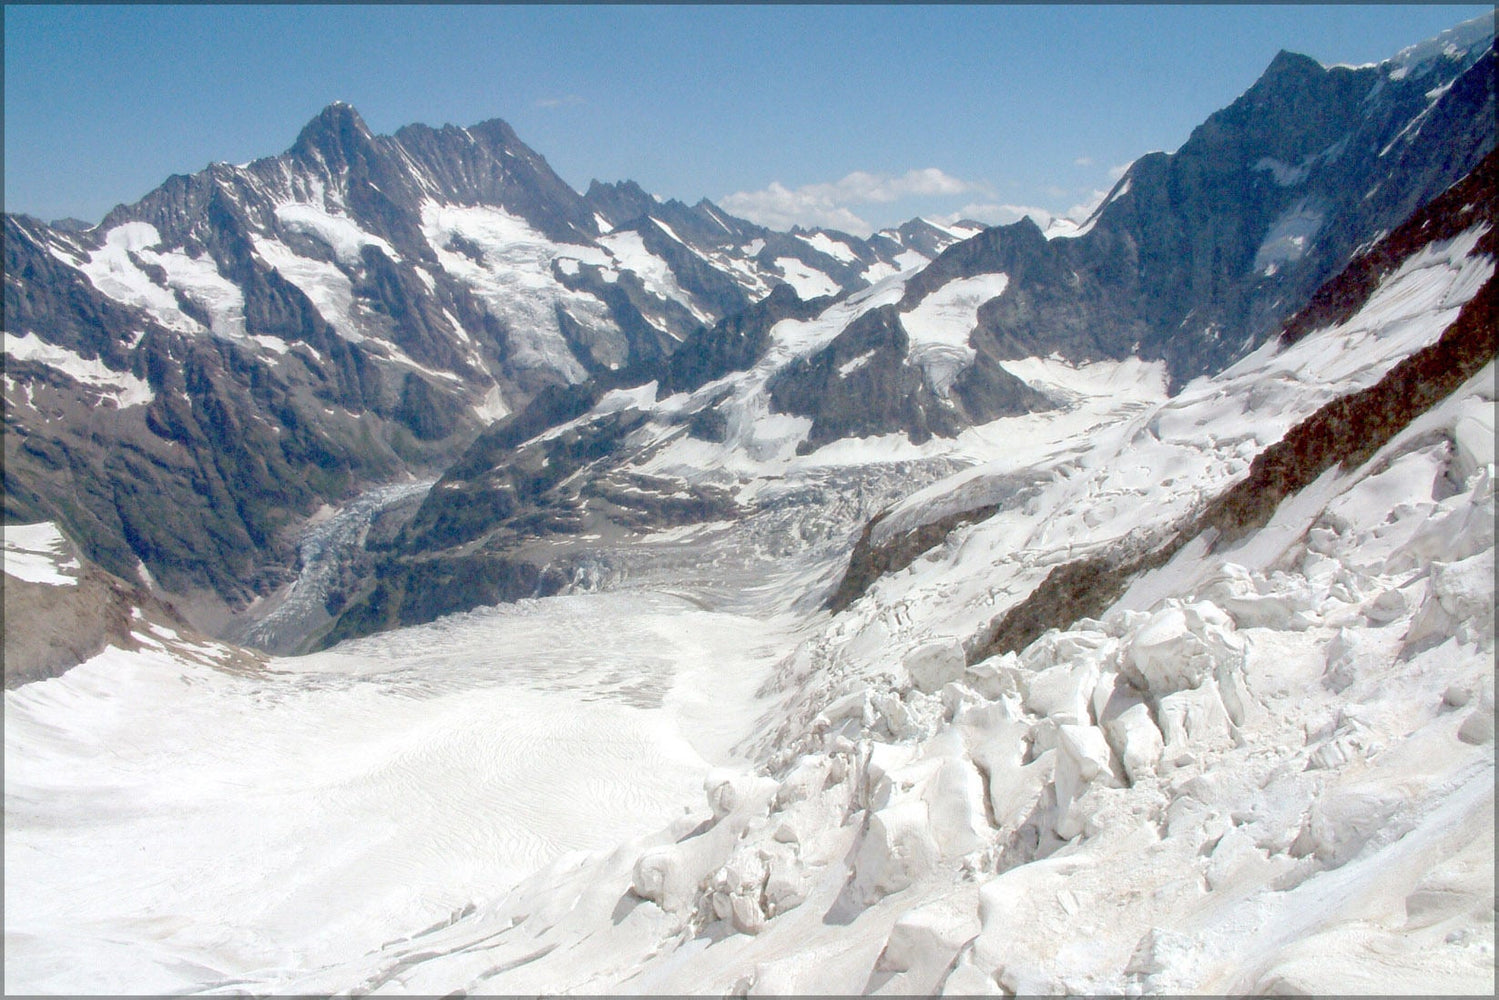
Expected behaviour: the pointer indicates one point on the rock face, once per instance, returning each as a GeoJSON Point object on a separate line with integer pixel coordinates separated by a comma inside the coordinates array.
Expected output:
{"type": "Point", "coordinates": [191, 379]}
{"type": "Point", "coordinates": [510, 533]}
{"type": "Point", "coordinates": [1197, 255]}
{"type": "Point", "coordinates": [864, 384]}
{"type": "Point", "coordinates": [1347, 431]}
{"type": "Point", "coordinates": [1110, 692]}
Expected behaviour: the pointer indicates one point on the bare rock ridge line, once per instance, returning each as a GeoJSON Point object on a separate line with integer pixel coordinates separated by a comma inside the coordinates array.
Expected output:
{"type": "Point", "coordinates": [1103, 611]}
{"type": "Point", "coordinates": [346, 314]}
{"type": "Point", "coordinates": [870, 562]}
{"type": "Point", "coordinates": [50, 628]}
{"type": "Point", "coordinates": [1134, 284]}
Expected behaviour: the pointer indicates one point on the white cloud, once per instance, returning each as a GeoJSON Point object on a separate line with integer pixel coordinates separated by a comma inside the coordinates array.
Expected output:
{"type": "Point", "coordinates": [1086, 207]}
{"type": "Point", "coordinates": [1083, 161]}
{"type": "Point", "coordinates": [567, 100]}
{"type": "Point", "coordinates": [780, 207]}
{"type": "Point", "coordinates": [1086, 202]}
{"type": "Point", "coordinates": [998, 215]}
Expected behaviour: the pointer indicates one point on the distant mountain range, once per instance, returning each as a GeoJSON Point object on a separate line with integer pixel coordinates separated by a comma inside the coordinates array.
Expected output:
{"type": "Point", "coordinates": [192, 380]}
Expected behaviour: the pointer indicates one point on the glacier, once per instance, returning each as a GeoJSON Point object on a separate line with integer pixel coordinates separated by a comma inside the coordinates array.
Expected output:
{"type": "Point", "coordinates": [1268, 767]}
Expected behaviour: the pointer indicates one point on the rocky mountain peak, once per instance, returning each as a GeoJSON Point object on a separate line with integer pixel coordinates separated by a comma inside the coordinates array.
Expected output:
{"type": "Point", "coordinates": [496, 132]}
{"type": "Point", "coordinates": [619, 202]}
{"type": "Point", "coordinates": [1462, 42]}
{"type": "Point", "coordinates": [337, 132]}
{"type": "Point", "coordinates": [71, 225]}
{"type": "Point", "coordinates": [1289, 65]}
{"type": "Point", "coordinates": [362, 305]}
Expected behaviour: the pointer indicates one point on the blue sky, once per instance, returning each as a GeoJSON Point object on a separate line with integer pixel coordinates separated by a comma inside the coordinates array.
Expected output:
{"type": "Point", "coordinates": [856, 116]}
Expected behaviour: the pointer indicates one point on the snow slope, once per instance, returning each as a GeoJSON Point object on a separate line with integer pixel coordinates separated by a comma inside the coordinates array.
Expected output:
{"type": "Point", "coordinates": [214, 826]}
{"type": "Point", "coordinates": [122, 388]}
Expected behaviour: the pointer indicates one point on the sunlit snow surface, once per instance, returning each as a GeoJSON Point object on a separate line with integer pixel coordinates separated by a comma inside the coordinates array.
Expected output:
{"type": "Point", "coordinates": [38, 553]}
{"type": "Point", "coordinates": [511, 274]}
{"type": "Point", "coordinates": [1297, 796]}
{"type": "Point", "coordinates": [807, 280]}
{"type": "Point", "coordinates": [171, 825]}
{"type": "Point", "coordinates": [341, 233]}
{"type": "Point", "coordinates": [939, 326]}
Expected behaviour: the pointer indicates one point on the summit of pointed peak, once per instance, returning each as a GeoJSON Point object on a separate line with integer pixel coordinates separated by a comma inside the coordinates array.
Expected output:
{"type": "Point", "coordinates": [623, 187]}
{"type": "Point", "coordinates": [339, 113]}
{"type": "Point", "coordinates": [498, 132]}
{"type": "Point", "coordinates": [335, 127]}
{"type": "Point", "coordinates": [1288, 63]}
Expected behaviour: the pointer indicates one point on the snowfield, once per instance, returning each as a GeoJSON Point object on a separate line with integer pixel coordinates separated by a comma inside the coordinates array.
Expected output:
{"type": "Point", "coordinates": [1267, 767]}
{"type": "Point", "coordinates": [218, 827]}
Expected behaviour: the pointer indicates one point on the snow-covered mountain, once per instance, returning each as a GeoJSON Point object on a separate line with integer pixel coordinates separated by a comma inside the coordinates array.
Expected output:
{"type": "Point", "coordinates": [884, 654]}
{"type": "Point", "coordinates": [1190, 262]}
{"type": "Point", "coordinates": [265, 339]}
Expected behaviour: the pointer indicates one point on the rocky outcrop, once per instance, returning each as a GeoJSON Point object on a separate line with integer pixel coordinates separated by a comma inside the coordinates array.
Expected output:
{"type": "Point", "coordinates": [1347, 430]}
{"type": "Point", "coordinates": [505, 522]}
{"type": "Point", "coordinates": [55, 625]}
{"type": "Point", "coordinates": [864, 384]}
{"type": "Point", "coordinates": [735, 342]}
{"type": "Point", "coordinates": [359, 308]}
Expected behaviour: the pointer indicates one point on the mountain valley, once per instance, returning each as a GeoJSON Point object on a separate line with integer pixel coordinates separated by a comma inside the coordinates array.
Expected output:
{"type": "Point", "coordinates": [455, 584]}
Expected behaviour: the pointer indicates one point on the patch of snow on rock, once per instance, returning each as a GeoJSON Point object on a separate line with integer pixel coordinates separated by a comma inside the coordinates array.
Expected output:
{"type": "Point", "coordinates": [123, 388]}
{"type": "Point", "coordinates": [341, 233]}
{"type": "Point", "coordinates": [808, 282]}
{"type": "Point", "coordinates": [38, 553]}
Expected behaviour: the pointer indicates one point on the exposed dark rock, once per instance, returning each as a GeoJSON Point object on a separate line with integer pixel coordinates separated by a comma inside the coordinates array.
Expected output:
{"type": "Point", "coordinates": [863, 383]}
{"type": "Point", "coordinates": [870, 562]}
{"type": "Point", "coordinates": [1191, 260]}
{"type": "Point", "coordinates": [1349, 430]}
{"type": "Point", "coordinates": [71, 225]}
{"type": "Point", "coordinates": [208, 484]}
{"type": "Point", "coordinates": [625, 205]}
{"type": "Point", "coordinates": [1457, 209]}
{"type": "Point", "coordinates": [619, 203]}
{"type": "Point", "coordinates": [708, 285]}
{"type": "Point", "coordinates": [45, 296]}
{"type": "Point", "coordinates": [709, 424]}
{"type": "Point", "coordinates": [921, 236]}
{"type": "Point", "coordinates": [416, 591]}
{"type": "Point", "coordinates": [430, 414]}
{"type": "Point", "coordinates": [646, 502]}
{"type": "Point", "coordinates": [734, 343]}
